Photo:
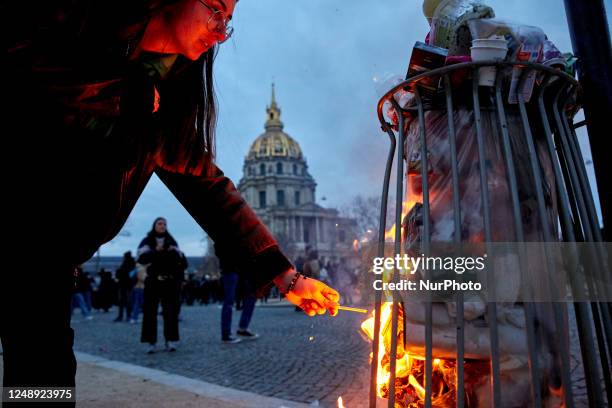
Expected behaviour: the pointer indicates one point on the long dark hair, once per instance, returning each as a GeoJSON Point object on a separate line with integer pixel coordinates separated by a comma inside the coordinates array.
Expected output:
{"type": "Point", "coordinates": [188, 115]}
{"type": "Point", "coordinates": [152, 235]}
{"type": "Point", "coordinates": [187, 118]}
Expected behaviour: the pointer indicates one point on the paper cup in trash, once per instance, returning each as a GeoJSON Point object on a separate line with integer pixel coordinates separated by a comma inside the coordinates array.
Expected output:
{"type": "Point", "coordinates": [488, 49]}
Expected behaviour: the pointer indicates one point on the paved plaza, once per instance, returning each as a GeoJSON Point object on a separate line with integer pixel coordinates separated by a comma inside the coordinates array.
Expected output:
{"type": "Point", "coordinates": [297, 358]}
{"type": "Point", "coordinates": [297, 362]}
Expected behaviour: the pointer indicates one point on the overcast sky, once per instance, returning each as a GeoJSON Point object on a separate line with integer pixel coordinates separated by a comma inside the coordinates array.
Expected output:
{"type": "Point", "coordinates": [323, 56]}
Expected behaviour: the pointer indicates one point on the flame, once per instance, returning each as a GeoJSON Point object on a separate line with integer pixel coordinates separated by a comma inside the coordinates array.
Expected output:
{"type": "Point", "coordinates": [340, 404]}
{"type": "Point", "coordinates": [370, 235]}
{"type": "Point", "coordinates": [407, 205]}
{"type": "Point", "coordinates": [390, 233]}
{"type": "Point", "coordinates": [410, 368]}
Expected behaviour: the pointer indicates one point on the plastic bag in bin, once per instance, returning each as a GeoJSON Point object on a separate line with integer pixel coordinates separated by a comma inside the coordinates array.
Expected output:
{"type": "Point", "coordinates": [412, 229]}
{"type": "Point", "coordinates": [468, 166]}
{"type": "Point", "coordinates": [404, 98]}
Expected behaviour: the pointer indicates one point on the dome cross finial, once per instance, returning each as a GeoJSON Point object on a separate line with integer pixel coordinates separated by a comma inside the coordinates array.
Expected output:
{"type": "Point", "coordinates": [273, 113]}
{"type": "Point", "coordinates": [273, 96]}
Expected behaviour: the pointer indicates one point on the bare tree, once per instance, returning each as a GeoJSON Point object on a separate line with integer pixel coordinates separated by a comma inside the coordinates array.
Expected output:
{"type": "Point", "coordinates": [366, 212]}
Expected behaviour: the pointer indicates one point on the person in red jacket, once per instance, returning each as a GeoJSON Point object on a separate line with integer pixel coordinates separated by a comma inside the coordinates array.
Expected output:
{"type": "Point", "coordinates": [100, 95]}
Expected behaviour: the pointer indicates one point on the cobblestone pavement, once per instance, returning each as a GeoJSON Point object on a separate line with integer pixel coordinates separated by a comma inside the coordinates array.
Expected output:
{"type": "Point", "coordinates": [312, 360]}
{"type": "Point", "coordinates": [297, 358]}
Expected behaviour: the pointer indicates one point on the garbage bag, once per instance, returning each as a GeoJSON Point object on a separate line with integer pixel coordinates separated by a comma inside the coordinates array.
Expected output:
{"type": "Point", "coordinates": [440, 177]}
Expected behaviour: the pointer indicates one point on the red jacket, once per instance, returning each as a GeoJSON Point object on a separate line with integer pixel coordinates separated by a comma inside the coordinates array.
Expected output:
{"type": "Point", "coordinates": [83, 171]}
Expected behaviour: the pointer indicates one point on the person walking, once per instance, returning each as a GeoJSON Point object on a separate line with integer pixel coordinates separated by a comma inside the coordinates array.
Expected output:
{"type": "Point", "coordinates": [165, 269]}
{"type": "Point", "coordinates": [125, 284]}
{"type": "Point", "coordinates": [102, 95]}
{"type": "Point", "coordinates": [236, 285]}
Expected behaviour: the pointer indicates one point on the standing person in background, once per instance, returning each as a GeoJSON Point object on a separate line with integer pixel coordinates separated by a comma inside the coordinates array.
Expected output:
{"type": "Point", "coordinates": [234, 284]}
{"type": "Point", "coordinates": [139, 276]}
{"type": "Point", "coordinates": [332, 268]}
{"type": "Point", "coordinates": [125, 283]}
{"type": "Point", "coordinates": [312, 267]}
{"type": "Point", "coordinates": [82, 286]}
{"type": "Point", "coordinates": [165, 270]}
{"type": "Point", "coordinates": [107, 290]}
{"type": "Point", "coordinates": [205, 292]}
{"type": "Point", "coordinates": [323, 273]}
{"type": "Point", "coordinates": [84, 283]}
{"type": "Point", "coordinates": [345, 282]}
{"type": "Point", "coordinates": [299, 264]}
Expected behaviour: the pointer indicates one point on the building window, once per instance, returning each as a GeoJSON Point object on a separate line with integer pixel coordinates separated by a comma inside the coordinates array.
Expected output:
{"type": "Point", "coordinates": [262, 169]}
{"type": "Point", "coordinates": [341, 236]}
{"type": "Point", "coordinates": [297, 198]}
{"type": "Point", "coordinates": [279, 168]}
{"type": "Point", "coordinates": [262, 199]}
{"type": "Point", "coordinates": [278, 147]}
{"type": "Point", "coordinates": [280, 198]}
{"type": "Point", "coordinates": [295, 169]}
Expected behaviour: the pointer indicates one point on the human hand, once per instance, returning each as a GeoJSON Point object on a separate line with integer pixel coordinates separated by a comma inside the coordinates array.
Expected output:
{"type": "Point", "coordinates": [311, 295]}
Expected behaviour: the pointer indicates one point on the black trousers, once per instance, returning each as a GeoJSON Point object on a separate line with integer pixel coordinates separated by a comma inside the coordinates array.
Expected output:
{"type": "Point", "coordinates": [124, 303]}
{"type": "Point", "coordinates": [168, 294]}
{"type": "Point", "coordinates": [36, 335]}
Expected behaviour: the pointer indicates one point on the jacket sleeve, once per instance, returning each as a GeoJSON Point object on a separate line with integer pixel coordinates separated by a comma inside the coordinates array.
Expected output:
{"type": "Point", "coordinates": [145, 253]}
{"type": "Point", "coordinates": [220, 210]}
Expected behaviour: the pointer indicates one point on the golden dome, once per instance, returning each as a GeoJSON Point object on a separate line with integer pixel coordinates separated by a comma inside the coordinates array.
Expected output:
{"type": "Point", "coordinates": [274, 142]}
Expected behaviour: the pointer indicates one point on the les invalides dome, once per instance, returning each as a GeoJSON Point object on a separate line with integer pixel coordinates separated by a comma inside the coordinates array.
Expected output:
{"type": "Point", "coordinates": [277, 184]}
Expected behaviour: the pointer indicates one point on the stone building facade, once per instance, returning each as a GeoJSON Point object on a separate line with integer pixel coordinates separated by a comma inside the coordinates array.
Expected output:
{"type": "Point", "coordinates": [277, 184]}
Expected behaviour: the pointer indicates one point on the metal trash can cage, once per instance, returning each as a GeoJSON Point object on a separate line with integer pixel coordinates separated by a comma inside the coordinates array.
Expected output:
{"type": "Point", "coordinates": [576, 212]}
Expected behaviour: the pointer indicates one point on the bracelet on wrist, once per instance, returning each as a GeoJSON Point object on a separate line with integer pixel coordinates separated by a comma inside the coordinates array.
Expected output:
{"type": "Point", "coordinates": [293, 282]}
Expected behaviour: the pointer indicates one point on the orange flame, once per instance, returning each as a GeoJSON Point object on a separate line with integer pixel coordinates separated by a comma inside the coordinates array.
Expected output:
{"type": "Point", "coordinates": [409, 372]}
{"type": "Point", "coordinates": [340, 404]}
{"type": "Point", "coordinates": [407, 205]}
{"type": "Point", "coordinates": [370, 235]}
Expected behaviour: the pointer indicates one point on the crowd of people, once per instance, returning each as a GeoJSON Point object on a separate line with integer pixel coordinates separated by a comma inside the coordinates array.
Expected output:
{"type": "Point", "coordinates": [338, 274]}
{"type": "Point", "coordinates": [100, 291]}
{"type": "Point", "coordinates": [158, 276]}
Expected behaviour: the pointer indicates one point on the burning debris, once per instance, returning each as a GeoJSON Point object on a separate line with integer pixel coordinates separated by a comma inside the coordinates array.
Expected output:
{"type": "Point", "coordinates": [410, 368]}
{"type": "Point", "coordinates": [410, 362]}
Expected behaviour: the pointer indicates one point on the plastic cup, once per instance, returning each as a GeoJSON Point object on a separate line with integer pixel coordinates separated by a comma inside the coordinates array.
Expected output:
{"type": "Point", "coordinates": [490, 42]}
{"type": "Point", "coordinates": [488, 49]}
